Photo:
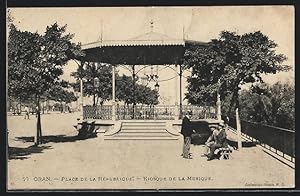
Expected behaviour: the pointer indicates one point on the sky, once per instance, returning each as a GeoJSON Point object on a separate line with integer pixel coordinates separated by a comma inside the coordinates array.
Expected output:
{"type": "Point", "coordinates": [194, 23]}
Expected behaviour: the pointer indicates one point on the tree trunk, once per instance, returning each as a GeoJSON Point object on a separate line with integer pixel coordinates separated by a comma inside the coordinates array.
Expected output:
{"type": "Point", "coordinates": [94, 99]}
{"type": "Point", "coordinates": [20, 108]}
{"type": "Point", "coordinates": [97, 100]}
{"type": "Point", "coordinates": [238, 124]}
{"type": "Point", "coordinates": [61, 107]}
{"type": "Point", "coordinates": [38, 139]}
{"type": "Point", "coordinates": [233, 102]}
{"type": "Point", "coordinates": [47, 106]}
{"type": "Point", "coordinates": [124, 111]}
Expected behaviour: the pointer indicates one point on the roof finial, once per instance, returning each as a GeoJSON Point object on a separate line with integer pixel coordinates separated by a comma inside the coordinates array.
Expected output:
{"type": "Point", "coordinates": [101, 32]}
{"type": "Point", "coordinates": [183, 32]}
{"type": "Point", "coordinates": [151, 24]}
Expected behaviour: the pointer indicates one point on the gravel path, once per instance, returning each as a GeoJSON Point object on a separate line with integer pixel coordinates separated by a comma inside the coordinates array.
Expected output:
{"type": "Point", "coordinates": [65, 163]}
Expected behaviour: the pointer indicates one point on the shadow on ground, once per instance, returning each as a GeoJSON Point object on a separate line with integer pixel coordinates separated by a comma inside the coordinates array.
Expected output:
{"type": "Point", "coordinates": [24, 153]}
{"type": "Point", "coordinates": [55, 138]}
{"type": "Point", "coordinates": [245, 144]}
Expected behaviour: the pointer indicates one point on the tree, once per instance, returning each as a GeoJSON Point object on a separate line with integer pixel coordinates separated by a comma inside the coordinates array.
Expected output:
{"type": "Point", "coordinates": [61, 94]}
{"type": "Point", "coordinates": [124, 85]}
{"type": "Point", "coordinates": [283, 102]}
{"type": "Point", "coordinates": [141, 93]}
{"type": "Point", "coordinates": [103, 73]}
{"type": "Point", "coordinates": [224, 64]}
{"type": "Point", "coordinates": [124, 89]}
{"type": "Point", "coordinates": [9, 20]}
{"type": "Point", "coordinates": [268, 104]}
{"type": "Point", "coordinates": [146, 95]}
{"type": "Point", "coordinates": [255, 107]}
{"type": "Point", "coordinates": [35, 62]}
{"type": "Point", "coordinates": [281, 97]}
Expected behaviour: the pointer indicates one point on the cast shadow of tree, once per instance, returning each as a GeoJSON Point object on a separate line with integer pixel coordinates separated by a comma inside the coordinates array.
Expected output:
{"type": "Point", "coordinates": [245, 144]}
{"type": "Point", "coordinates": [56, 138]}
{"type": "Point", "coordinates": [24, 153]}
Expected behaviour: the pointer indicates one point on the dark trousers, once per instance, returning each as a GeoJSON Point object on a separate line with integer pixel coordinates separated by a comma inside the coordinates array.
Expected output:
{"type": "Point", "coordinates": [186, 146]}
{"type": "Point", "coordinates": [26, 115]}
{"type": "Point", "coordinates": [212, 149]}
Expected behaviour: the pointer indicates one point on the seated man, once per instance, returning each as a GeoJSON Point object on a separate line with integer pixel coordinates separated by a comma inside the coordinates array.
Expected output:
{"type": "Point", "coordinates": [216, 140]}
{"type": "Point", "coordinates": [211, 140]}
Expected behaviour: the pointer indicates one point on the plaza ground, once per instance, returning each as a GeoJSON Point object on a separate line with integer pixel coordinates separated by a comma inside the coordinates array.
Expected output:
{"type": "Point", "coordinates": [64, 162]}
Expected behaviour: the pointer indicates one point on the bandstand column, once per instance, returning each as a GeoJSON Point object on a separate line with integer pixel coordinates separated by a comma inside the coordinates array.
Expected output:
{"type": "Point", "coordinates": [218, 109]}
{"type": "Point", "coordinates": [81, 93]}
{"type": "Point", "coordinates": [81, 96]}
{"type": "Point", "coordinates": [133, 84]}
{"type": "Point", "coordinates": [180, 92]}
{"type": "Point", "coordinates": [176, 94]}
{"type": "Point", "coordinates": [113, 112]}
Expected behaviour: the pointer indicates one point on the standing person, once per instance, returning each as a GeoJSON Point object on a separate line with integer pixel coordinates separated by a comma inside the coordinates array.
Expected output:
{"type": "Point", "coordinates": [187, 131]}
{"type": "Point", "coordinates": [26, 112]}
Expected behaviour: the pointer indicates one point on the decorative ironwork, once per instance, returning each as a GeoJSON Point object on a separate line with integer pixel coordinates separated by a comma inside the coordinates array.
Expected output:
{"type": "Point", "coordinates": [151, 77]}
{"type": "Point", "coordinates": [145, 112]}
{"type": "Point", "coordinates": [200, 112]}
{"type": "Point", "coordinates": [97, 112]}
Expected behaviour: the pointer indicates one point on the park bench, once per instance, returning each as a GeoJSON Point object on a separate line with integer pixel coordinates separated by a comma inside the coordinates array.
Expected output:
{"type": "Point", "coordinates": [87, 129]}
{"type": "Point", "coordinates": [224, 152]}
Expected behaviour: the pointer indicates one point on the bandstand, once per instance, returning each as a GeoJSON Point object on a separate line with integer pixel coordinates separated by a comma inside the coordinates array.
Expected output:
{"type": "Point", "coordinates": [146, 50]}
{"type": "Point", "coordinates": [149, 49]}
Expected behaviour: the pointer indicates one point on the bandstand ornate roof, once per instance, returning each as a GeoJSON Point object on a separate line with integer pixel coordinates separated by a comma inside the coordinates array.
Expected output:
{"type": "Point", "coordinates": [148, 49]}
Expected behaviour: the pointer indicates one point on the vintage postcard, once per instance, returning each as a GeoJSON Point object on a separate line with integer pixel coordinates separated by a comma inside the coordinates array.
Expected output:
{"type": "Point", "coordinates": [155, 98]}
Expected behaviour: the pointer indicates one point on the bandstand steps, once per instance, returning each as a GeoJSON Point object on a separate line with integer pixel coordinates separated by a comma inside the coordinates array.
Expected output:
{"type": "Point", "coordinates": [148, 128]}
{"type": "Point", "coordinates": [142, 130]}
{"type": "Point", "coordinates": [143, 134]}
{"type": "Point", "coordinates": [141, 138]}
{"type": "Point", "coordinates": [160, 124]}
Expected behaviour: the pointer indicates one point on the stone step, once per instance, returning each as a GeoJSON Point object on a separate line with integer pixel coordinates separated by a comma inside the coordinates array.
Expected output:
{"type": "Point", "coordinates": [141, 138]}
{"type": "Point", "coordinates": [142, 134]}
{"type": "Point", "coordinates": [143, 128]}
{"type": "Point", "coordinates": [144, 124]}
{"type": "Point", "coordinates": [147, 121]}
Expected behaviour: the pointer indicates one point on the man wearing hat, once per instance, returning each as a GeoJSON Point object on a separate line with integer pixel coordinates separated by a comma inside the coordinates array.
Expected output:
{"type": "Point", "coordinates": [187, 131]}
{"type": "Point", "coordinates": [216, 140]}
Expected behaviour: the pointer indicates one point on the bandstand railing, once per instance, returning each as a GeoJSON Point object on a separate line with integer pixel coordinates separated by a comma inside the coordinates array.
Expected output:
{"type": "Point", "coordinates": [103, 112]}
{"type": "Point", "coordinates": [200, 112]}
{"type": "Point", "coordinates": [147, 112]}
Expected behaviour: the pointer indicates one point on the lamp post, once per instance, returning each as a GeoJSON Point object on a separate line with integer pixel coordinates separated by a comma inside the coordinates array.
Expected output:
{"type": "Point", "coordinates": [156, 86]}
{"type": "Point", "coordinates": [96, 86]}
{"type": "Point", "coordinates": [151, 77]}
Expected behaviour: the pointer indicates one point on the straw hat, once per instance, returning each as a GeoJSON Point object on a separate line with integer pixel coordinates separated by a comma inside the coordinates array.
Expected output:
{"type": "Point", "coordinates": [222, 124]}
{"type": "Point", "coordinates": [214, 125]}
